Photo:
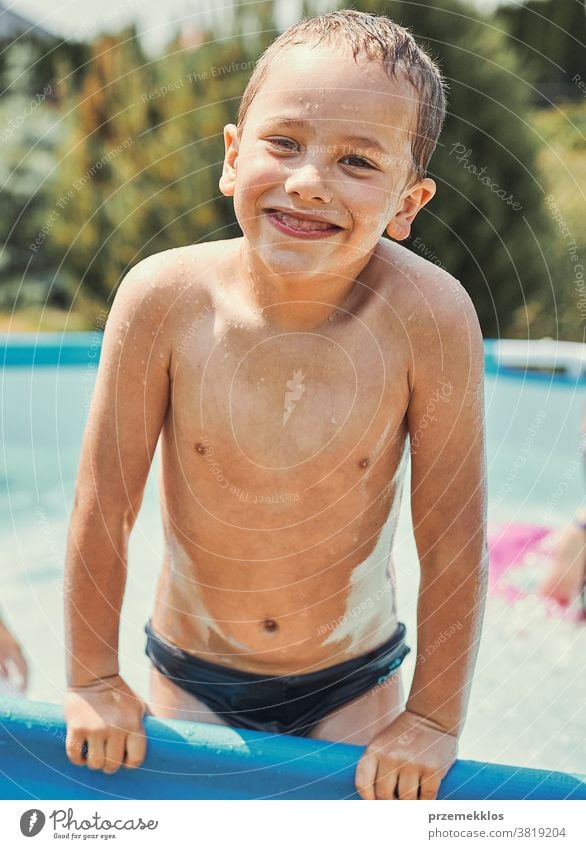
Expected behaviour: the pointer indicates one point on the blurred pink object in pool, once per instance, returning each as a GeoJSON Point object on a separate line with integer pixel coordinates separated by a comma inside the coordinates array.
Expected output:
{"type": "Point", "coordinates": [519, 555]}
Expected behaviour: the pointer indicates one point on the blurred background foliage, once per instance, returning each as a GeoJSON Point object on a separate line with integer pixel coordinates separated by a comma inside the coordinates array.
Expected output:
{"type": "Point", "coordinates": [121, 158]}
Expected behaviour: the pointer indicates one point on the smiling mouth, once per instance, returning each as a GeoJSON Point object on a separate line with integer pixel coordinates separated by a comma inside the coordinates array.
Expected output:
{"type": "Point", "coordinates": [302, 225]}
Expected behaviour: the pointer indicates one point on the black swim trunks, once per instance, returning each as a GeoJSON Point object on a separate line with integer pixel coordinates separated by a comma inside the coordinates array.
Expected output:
{"type": "Point", "coordinates": [283, 704]}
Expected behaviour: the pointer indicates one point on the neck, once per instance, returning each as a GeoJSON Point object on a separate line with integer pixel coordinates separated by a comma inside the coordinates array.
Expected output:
{"type": "Point", "coordinates": [298, 301]}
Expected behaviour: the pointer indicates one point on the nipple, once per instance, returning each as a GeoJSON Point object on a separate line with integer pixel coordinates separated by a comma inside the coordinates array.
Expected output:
{"type": "Point", "coordinates": [364, 463]}
{"type": "Point", "coordinates": [270, 625]}
{"type": "Point", "coordinates": [200, 448]}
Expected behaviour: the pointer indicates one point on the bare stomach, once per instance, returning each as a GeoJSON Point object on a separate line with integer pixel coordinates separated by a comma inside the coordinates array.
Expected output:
{"type": "Point", "coordinates": [281, 616]}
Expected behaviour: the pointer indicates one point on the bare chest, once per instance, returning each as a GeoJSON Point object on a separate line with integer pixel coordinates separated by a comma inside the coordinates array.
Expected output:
{"type": "Point", "coordinates": [283, 400]}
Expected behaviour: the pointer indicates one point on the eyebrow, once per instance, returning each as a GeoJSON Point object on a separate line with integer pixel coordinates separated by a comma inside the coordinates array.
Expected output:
{"type": "Point", "coordinates": [350, 141]}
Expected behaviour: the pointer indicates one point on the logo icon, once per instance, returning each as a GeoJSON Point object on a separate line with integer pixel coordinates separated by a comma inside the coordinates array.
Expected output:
{"type": "Point", "coordinates": [32, 822]}
{"type": "Point", "coordinates": [296, 388]}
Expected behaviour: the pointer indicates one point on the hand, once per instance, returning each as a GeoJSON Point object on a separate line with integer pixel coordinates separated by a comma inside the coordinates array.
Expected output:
{"type": "Point", "coordinates": [12, 658]}
{"type": "Point", "coordinates": [407, 760]}
{"type": "Point", "coordinates": [566, 575]}
{"type": "Point", "coordinates": [105, 718]}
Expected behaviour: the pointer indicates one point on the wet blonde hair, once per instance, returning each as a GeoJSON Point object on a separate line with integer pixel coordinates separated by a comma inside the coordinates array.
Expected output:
{"type": "Point", "coordinates": [378, 38]}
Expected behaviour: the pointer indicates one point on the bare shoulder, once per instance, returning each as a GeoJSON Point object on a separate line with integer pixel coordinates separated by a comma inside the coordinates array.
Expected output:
{"type": "Point", "coordinates": [163, 276]}
{"type": "Point", "coordinates": [421, 290]}
{"type": "Point", "coordinates": [434, 308]}
{"type": "Point", "coordinates": [167, 289]}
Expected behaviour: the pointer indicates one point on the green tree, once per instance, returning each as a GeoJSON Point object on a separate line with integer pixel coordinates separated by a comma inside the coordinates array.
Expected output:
{"type": "Point", "coordinates": [487, 223]}
{"type": "Point", "coordinates": [140, 166]}
{"type": "Point", "coordinates": [139, 170]}
{"type": "Point", "coordinates": [550, 36]}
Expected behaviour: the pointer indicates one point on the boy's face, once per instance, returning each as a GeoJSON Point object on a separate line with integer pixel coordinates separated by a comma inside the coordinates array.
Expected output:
{"type": "Point", "coordinates": [322, 165]}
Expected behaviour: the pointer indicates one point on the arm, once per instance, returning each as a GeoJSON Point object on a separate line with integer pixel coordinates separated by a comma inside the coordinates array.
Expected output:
{"type": "Point", "coordinates": [448, 502]}
{"type": "Point", "coordinates": [128, 407]}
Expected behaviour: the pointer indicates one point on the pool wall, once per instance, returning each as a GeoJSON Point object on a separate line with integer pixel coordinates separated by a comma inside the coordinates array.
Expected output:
{"type": "Point", "coordinates": [542, 359]}
{"type": "Point", "coordinates": [188, 760]}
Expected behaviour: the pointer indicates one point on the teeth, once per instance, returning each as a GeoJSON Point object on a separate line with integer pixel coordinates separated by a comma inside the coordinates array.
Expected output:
{"type": "Point", "coordinates": [301, 223]}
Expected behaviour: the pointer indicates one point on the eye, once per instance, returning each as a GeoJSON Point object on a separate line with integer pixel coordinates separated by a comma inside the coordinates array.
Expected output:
{"type": "Point", "coordinates": [283, 143]}
{"type": "Point", "coordinates": [358, 162]}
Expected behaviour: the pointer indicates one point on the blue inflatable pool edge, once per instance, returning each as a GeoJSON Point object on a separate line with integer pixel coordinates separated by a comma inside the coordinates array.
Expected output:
{"type": "Point", "coordinates": [188, 760]}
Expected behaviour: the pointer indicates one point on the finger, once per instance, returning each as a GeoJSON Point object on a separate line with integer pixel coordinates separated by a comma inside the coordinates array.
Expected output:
{"type": "Point", "coordinates": [366, 776]}
{"type": "Point", "coordinates": [135, 750]}
{"type": "Point", "coordinates": [408, 783]}
{"type": "Point", "coordinates": [429, 786]}
{"type": "Point", "coordinates": [96, 751]}
{"type": "Point", "coordinates": [385, 786]}
{"type": "Point", "coordinates": [73, 748]}
{"type": "Point", "coordinates": [114, 754]}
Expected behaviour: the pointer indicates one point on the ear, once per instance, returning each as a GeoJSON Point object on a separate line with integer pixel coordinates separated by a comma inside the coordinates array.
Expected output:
{"type": "Point", "coordinates": [413, 199]}
{"type": "Point", "coordinates": [228, 178]}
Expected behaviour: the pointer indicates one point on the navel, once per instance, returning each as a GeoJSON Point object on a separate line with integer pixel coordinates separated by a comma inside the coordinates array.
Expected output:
{"type": "Point", "coordinates": [270, 625]}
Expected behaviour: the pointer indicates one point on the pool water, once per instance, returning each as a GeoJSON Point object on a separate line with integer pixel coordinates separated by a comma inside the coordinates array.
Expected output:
{"type": "Point", "coordinates": [528, 703]}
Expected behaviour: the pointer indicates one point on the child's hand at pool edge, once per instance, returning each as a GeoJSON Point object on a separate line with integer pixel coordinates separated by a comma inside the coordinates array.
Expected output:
{"type": "Point", "coordinates": [105, 725]}
{"type": "Point", "coordinates": [407, 760]}
{"type": "Point", "coordinates": [12, 660]}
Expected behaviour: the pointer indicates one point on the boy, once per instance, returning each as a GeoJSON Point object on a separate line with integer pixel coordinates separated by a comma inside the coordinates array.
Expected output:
{"type": "Point", "coordinates": [290, 373]}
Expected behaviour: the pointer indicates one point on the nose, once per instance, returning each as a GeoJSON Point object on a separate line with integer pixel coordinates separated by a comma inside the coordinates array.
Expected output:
{"type": "Point", "coordinates": [307, 183]}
